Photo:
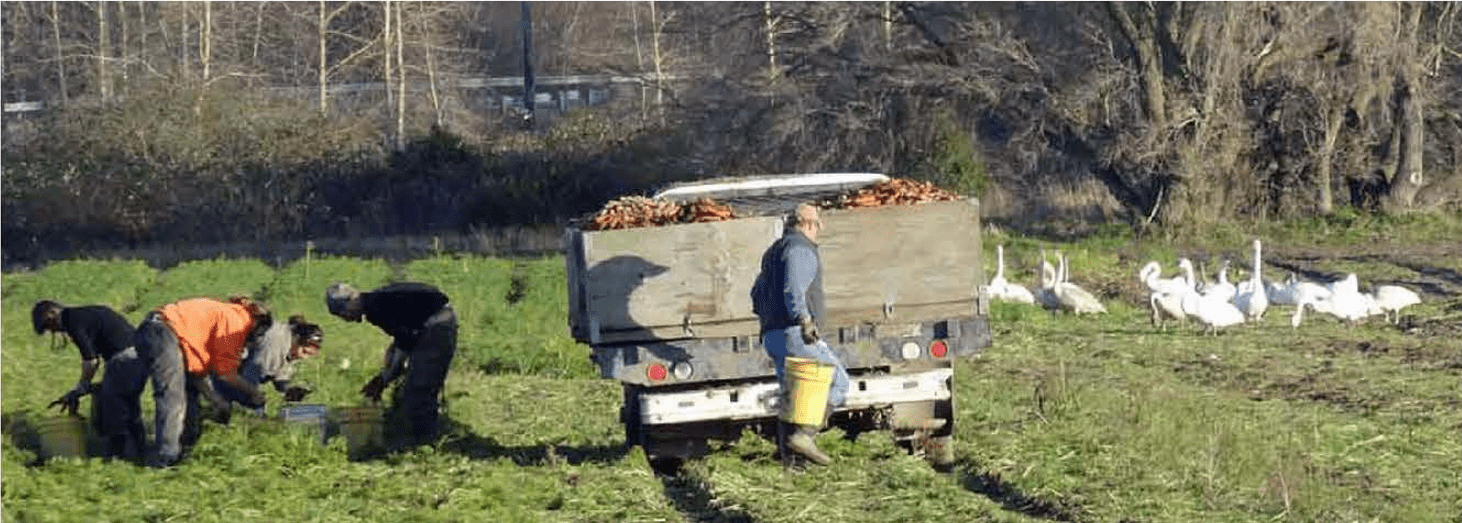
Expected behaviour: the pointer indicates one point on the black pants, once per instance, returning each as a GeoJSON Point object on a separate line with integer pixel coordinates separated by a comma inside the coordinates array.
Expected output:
{"type": "Point", "coordinates": [118, 415]}
{"type": "Point", "coordinates": [418, 398]}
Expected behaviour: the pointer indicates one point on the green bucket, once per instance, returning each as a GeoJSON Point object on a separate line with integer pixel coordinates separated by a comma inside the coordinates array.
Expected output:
{"type": "Point", "coordinates": [363, 428]}
{"type": "Point", "coordinates": [61, 436]}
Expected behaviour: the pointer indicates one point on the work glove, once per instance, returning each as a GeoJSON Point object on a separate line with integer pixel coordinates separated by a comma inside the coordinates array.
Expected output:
{"type": "Point", "coordinates": [69, 402]}
{"type": "Point", "coordinates": [256, 399]}
{"type": "Point", "coordinates": [296, 393]}
{"type": "Point", "coordinates": [809, 331]}
{"type": "Point", "coordinates": [374, 388]}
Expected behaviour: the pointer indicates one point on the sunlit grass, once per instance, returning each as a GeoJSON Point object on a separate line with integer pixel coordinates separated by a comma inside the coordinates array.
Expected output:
{"type": "Point", "coordinates": [1094, 418]}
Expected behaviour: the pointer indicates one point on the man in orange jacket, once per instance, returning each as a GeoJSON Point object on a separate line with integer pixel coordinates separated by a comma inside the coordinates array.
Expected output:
{"type": "Point", "coordinates": [186, 341]}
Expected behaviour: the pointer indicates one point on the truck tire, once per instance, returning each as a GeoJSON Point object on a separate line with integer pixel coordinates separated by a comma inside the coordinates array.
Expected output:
{"type": "Point", "coordinates": [629, 416]}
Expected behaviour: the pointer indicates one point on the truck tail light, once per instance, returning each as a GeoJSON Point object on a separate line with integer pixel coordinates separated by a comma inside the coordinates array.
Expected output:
{"type": "Point", "coordinates": [938, 349]}
{"type": "Point", "coordinates": [682, 370]}
{"type": "Point", "coordinates": [910, 350]}
{"type": "Point", "coordinates": [656, 372]}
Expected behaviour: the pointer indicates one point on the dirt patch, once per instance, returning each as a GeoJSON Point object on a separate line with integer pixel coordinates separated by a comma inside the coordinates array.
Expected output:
{"type": "Point", "coordinates": [1369, 349]}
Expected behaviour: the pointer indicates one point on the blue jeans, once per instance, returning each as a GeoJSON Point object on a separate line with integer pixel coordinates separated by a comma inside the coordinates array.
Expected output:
{"type": "Point", "coordinates": [173, 396]}
{"type": "Point", "coordinates": [785, 342]}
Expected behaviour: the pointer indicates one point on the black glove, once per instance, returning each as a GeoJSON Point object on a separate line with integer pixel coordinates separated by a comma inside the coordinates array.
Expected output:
{"type": "Point", "coordinates": [296, 393]}
{"type": "Point", "coordinates": [809, 330]}
{"type": "Point", "coordinates": [374, 388]}
{"type": "Point", "coordinates": [69, 402]}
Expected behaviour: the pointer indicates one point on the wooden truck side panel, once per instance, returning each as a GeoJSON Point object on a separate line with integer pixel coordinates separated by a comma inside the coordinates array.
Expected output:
{"type": "Point", "coordinates": [881, 264]}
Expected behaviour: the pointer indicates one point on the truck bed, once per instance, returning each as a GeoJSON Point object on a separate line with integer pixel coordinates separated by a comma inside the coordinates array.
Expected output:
{"type": "Point", "coordinates": [892, 264]}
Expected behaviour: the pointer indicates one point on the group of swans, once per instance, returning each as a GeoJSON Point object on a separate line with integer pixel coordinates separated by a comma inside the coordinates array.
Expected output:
{"type": "Point", "coordinates": [1222, 304]}
{"type": "Point", "coordinates": [1343, 300]}
{"type": "Point", "coordinates": [1216, 306]}
{"type": "Point", "coordinates": [1055, 293]}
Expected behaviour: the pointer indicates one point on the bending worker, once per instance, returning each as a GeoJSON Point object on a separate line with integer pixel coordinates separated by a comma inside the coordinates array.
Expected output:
{"type": "Point", "coordinates": [423, 332]}
{"type": "Point", "coordinates": [788, 300]}
{"type": "Point", "coordinates": [271, 359]}
{"type": "Point", "coordinates": [185, 342]}
{"type": "Point", "coordinates": [100, 333]}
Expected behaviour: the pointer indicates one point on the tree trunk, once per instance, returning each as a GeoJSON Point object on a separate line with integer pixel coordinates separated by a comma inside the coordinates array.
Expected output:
{"type": "Point", "coordinates": [60, 54]}
{"type": "Point", "coordinates": [183, 43]}
{"type": "Point", "coordinates": [324, 71]}
{"type": "Point", "coordinates": [386, 52]}
{"type": "Point", "coordinates": [639, 59]}
{"type": "Point", "coordinates": [887, 25]}
{"type": "Point", "coordinates": [771, 29]}
{"type": "Point", "coordinates": [427, 43]}
{"type": "Point", "coordinates": [205, 40]}
{"type": "Point", "coordinates": [659, 60]}
{"type": "Point", "coordinates": [401, 85]}
{"type": "Point", "coordinates": [1149, 61]}
{"type": "Point", "coordinates": [103, 51]}
{"type": "Point", "coordinates": [259, 31]}
{"type": "Point", "coordinates": [526, 27]}
{"type": "Point", "coordinates": [1323, 177]}
{"type": "Point", "coordinates": [1410, 176]}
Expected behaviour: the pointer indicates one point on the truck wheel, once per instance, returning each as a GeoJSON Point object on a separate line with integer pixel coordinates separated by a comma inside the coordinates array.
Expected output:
{"type": "Point", "coordinates": [667, 456]}
{"type": "Point", "coordinates": [666, 466]}
{"type": "Point", "coordinates": [629, 415]}
{"type": "Point", "coordinates": [939, 452]}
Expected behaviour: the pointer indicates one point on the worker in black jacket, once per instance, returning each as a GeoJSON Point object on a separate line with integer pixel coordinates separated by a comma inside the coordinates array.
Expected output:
{"type": "Point", "coordinates": [423, 332]}
{"type": "Point", "coordinates": [101, 334]}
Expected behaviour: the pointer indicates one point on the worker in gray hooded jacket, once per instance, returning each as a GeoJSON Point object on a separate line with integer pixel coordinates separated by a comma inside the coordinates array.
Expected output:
{"type": "Point", "coordinates": [271, 358]}
{"type": "Point", "coordinates": [788, 300]}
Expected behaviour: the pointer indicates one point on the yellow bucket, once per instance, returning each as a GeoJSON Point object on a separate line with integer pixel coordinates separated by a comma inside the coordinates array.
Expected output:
{"type": "Point", "coordinates": [363, 428]}
{"type": "Point", "coordinates": [61, 436]}
{"type": "Point", "coordinates": [810, 380]}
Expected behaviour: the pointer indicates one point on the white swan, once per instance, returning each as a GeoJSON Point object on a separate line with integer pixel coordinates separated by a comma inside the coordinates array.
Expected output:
{"type": "Point", "coordinates": [1223, 290]}
{"type": "Point", "coordinates": [1212, 312]}
{"type": "Point", "coordinates": [1349, 307]}
{"type": "Point", "coordinates": [1167, 293]}
{"type": "Point", "coordinates": [1295, 291]}
{"type": "Point", "coordinates": [1393, 298]}
{"type": "Point", "coordinates": [1347, 285]}
{"type": "Point", "coordinates": [1073, 297]}
{"type": "Point", "coordinates": [1002, 289]}
{"type": "Point", "coordinates": [1046, 294]}
{"type": "Point", "coordinates": [1151, 276]}
{"type": "Point", "coordinates": [1250, 295]}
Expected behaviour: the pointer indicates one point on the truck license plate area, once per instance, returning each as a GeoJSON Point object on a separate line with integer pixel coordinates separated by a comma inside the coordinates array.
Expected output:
{"type": "Point", "coordinates": [761, 399]}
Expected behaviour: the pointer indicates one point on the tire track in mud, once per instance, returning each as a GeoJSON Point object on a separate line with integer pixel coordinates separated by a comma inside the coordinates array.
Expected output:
{"type": "Point", "coordinates": [991, 485]}
{"type": "Point", "coordinates": [692, 496]}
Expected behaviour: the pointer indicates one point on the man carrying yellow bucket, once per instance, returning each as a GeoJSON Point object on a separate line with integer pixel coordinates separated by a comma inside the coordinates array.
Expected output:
{"type": "Point", "coordinates": [788, 301]}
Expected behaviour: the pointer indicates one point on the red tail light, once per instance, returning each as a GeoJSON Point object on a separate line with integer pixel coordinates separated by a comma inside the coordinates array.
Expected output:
{"type": "Point", "coordinates": [938, 349]}
{"type": "Point", "coordinates": [656, 372]}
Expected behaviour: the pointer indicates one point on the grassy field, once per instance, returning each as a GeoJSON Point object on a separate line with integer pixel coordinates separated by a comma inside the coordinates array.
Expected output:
{"type": "Point", "coordinates": [1063, 419]}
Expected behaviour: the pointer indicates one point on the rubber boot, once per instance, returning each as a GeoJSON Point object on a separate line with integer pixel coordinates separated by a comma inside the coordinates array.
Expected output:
{"type": "Point", "coordinates": [802, 440]}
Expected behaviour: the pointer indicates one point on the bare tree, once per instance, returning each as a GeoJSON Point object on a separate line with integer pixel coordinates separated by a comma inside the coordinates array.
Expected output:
{"type": "Point", "coordinates": [60, 52]}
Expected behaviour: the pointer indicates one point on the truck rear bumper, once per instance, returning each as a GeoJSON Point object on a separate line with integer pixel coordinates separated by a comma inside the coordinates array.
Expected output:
{"type": "Point", "coordinates": [761, 399]}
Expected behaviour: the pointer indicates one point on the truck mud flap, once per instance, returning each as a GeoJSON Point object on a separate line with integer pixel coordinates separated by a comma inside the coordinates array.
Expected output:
{"type": "Point", "coordinates": [761, 399]}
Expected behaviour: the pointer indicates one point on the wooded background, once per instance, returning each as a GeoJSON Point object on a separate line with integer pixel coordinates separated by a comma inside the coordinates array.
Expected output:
{"type": "Point", "coordinates": [188, 122]}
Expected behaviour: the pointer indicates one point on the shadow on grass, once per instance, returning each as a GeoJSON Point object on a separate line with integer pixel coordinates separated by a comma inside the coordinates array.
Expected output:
{"type": "Point", "coordinates": [692, 496]}
{"type": "Point", "coordinates": [459, 439]}
{"type": "Point", "coordinates": [1010, 497]}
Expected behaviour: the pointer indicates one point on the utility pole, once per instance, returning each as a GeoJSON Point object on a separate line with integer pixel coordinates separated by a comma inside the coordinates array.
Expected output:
{"type": "Point", "coordinates": [528, 115]}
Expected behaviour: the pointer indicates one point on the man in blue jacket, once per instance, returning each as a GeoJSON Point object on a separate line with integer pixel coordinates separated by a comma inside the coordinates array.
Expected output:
{"type": "Point", "coordinates": [788, 301]}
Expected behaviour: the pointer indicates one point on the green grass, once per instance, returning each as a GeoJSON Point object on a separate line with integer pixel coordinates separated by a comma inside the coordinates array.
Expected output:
{"type": "Point", "coordinates": [1063, 419]}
